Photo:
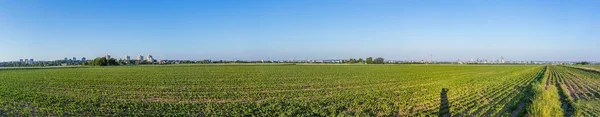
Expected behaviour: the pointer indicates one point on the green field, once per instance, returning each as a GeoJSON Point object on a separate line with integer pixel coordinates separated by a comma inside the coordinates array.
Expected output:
{"type": "Point", "coordinates": [589, 66]}
{"type": "Point", "coordinates": [581, 89]}
{"type": "Point", "coordinates": [291, 90]}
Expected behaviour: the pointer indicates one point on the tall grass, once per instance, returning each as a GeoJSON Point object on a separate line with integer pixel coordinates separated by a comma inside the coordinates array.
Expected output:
{"type": "Point", "coordinates": [546, 103]}
{"type": "Point", "coordinates": [546, 99]}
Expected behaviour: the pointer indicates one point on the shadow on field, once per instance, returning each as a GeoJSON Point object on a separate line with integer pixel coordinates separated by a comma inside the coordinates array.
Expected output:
{"type": "Point", "coordinates": [444, 104]}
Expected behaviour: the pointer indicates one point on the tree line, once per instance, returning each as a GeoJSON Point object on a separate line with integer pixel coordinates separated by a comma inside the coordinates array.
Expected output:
{"type": "Point", "coordinates": [583, 63]}
{"type": "Point", "coordinates": [102, 61]}
{"type": "Point", "coordinates": [369, 60]}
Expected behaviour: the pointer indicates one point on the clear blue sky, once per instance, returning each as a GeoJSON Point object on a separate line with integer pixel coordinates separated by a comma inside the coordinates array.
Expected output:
{"type": "Point", "coordinates": [303, 29]}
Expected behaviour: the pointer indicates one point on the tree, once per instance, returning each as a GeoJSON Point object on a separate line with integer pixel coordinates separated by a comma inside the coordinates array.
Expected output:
{"type": "Point", "coordinates": [111, 62]}
{"type": "Point", "coordinates": [583, 63]}
{"type": "Point", "coordinates": [122, 62]}
{"type": "Point", "coordinates": [370, 60]}
{"type": "Point", "coordinates": [378, 60]}
{"type": "Point", "coordinates": [360, 60]}
{"type": "Point", "coordinates": [353, 60]}
{"type": "Point", "coordinates": [101, 61]}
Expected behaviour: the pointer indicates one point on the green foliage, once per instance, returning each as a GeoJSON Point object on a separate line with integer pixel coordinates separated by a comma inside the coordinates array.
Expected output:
{"type": "Point", "coordinates": [369, 60]}
{"type": "Point", "coordinates": [353, 60]}
{"type": "Point", "coordinates": [35, 64]}
{"type": "Point", "coordinates": [579, 89]}
{"type": "Point", "coordinates": [378, 60]}
{"type": "Point", "coordinates": [582, 63]}
{"type": "Point", "coordinates": [589, 108]}
{"type": "Point", "coordinates": [260, 90]}
{"type": "Point", "coordinates": [101, 61]}
{"type": "Point", "coordinates": [546, 102]}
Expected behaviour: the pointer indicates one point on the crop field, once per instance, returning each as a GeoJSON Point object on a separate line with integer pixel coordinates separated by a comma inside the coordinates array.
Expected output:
{"type": "Point", "coordinates": [580, 89]}
{"type": "Point", "coordinates": [597, 67]}
{"type": "Point", "coordinates": [292, 90]}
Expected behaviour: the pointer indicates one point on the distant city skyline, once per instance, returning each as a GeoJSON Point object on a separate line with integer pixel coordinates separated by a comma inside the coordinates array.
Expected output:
{"type": "Point", "coordinates": [472, 60]}
{"type": "Point", "coordinates": [544, 30]}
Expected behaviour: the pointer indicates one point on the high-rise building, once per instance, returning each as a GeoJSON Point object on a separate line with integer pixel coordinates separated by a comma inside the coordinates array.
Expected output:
{"type": "Point", "coordinates": [26, 61]}
{"type": "Point", "coordinates": [149, 58]}
{"type": "Point", "coordinates": [140, 58]}
{"type": "Point", "coordinates": [107, 56]}
{"type": "Point", "coordinates": [82, 58]}
{"type": "Point", "coordinates": [501, 59]}
{"type": "Point", "coordinates": [20, 60]}
{"type": "Point", "coordinates": [30, 61]}
{"type": "Point", "coordinates": [127, 58]}
{"type": "Point", "coordinates": [65, 59]}
{"type": "Point", "coordinates": [74, 59]}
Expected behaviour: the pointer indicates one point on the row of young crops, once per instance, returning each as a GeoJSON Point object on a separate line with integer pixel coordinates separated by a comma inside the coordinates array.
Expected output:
{"type": "Point", "coordinates": [579, 89]}
{"type": "Point", "coordinates": [361, 90]}
{"type": "Point", "coordinates": [566, 91]}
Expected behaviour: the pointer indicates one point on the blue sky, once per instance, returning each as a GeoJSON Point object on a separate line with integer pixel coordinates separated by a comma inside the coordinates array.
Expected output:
{"type": "Point", "coordinates": [303, 29]}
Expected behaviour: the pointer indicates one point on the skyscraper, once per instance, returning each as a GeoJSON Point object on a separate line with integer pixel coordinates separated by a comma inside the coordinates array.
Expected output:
{"type": "Point", "coordinates": [107, 56]}
{"type": "Point", "coordinates": [20, 60]}
{"type": "Point", "coordinates": [127, 58]}
{"type": "Point", "coordinates": [149, 58]}
{"type": "Point", "coordinates": [82, 58]}
{"type": "Point", "coordinates": [30, 61]}
{"type": "Point", "coordinates": [74, 58]}
{"type": "Point", "coordinates": [140, 58]}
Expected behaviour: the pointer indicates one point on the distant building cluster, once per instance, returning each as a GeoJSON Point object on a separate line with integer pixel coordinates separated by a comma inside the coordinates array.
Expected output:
{"type": "Point", "coordinates": [149, 59]}
{"type": "Point", "coordinates": [74, 59]}
{"type": "Point", "coordinates": [27, 61]}
{"type": "Point", "coordinates": [139, 58]}
{"type": "Point", "coordinates": [483, 61]}
{"type": "Point", "coordinates": [502, 60]}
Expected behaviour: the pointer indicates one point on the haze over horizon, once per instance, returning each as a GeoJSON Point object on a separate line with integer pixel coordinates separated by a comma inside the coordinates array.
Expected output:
{"type": "Point", "coordinates": [308, 29]}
